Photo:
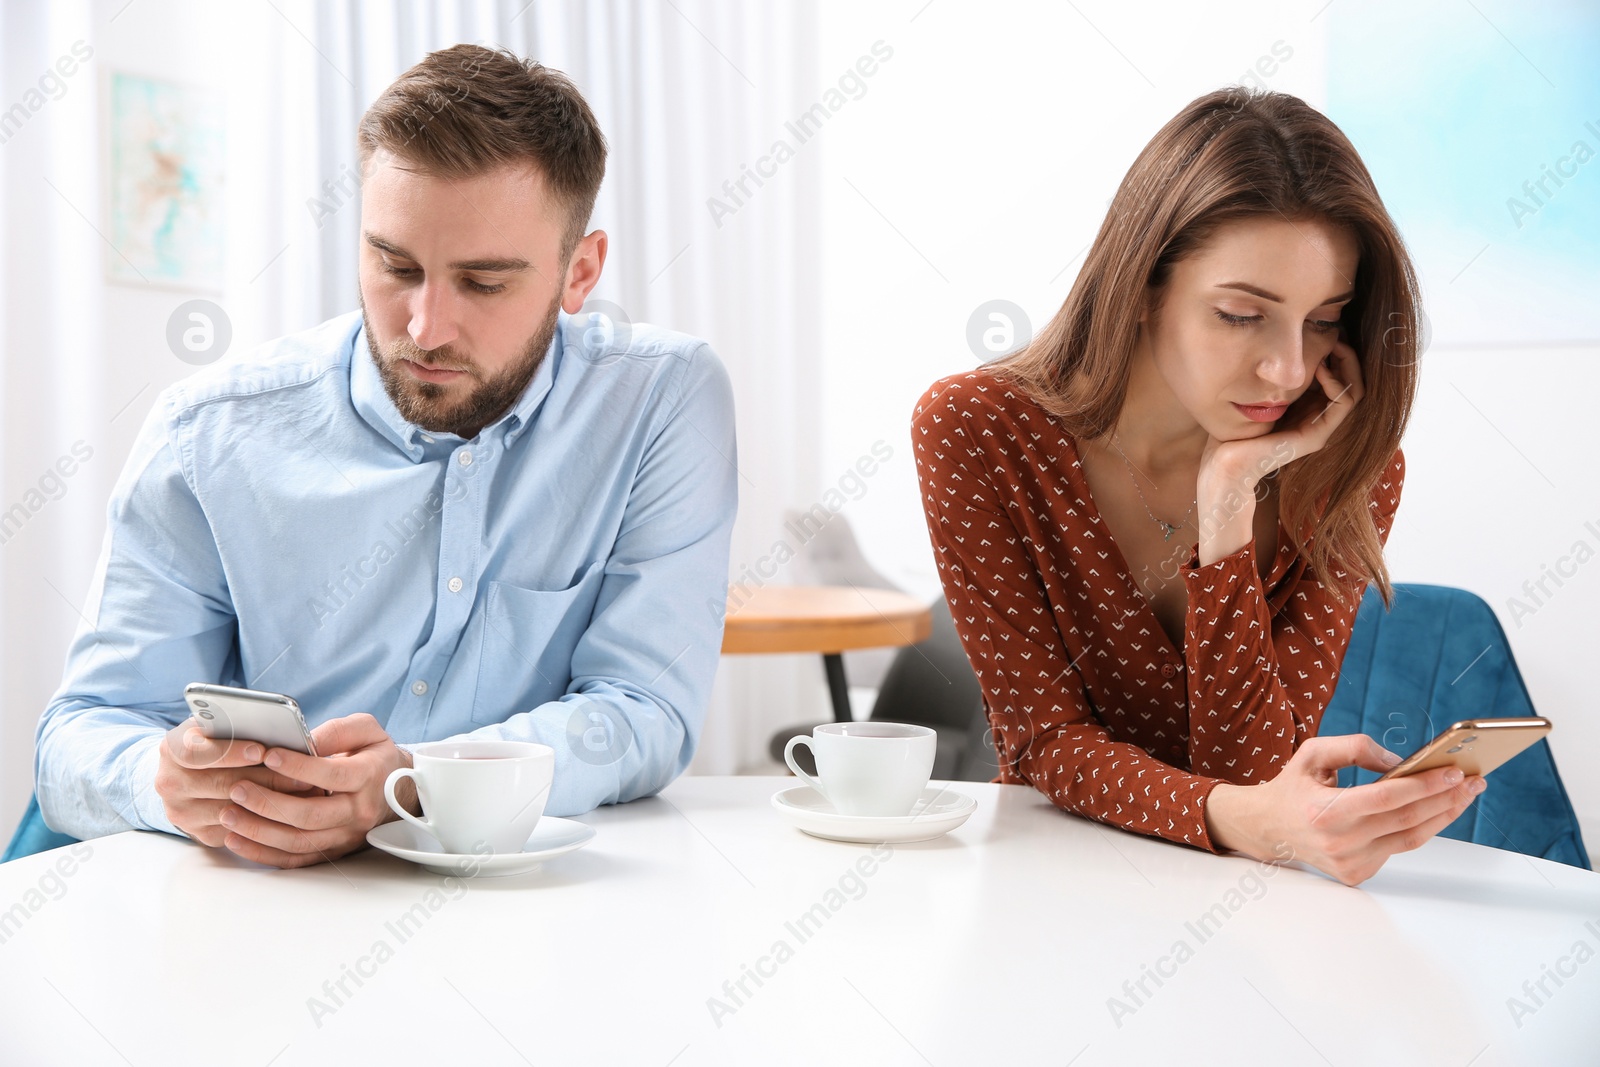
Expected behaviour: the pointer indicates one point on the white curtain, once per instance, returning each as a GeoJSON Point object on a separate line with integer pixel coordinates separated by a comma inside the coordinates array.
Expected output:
{"type": "Point", "coordinates": [687, 92]}
{"type": "Point", "coordinates": [58, 382]}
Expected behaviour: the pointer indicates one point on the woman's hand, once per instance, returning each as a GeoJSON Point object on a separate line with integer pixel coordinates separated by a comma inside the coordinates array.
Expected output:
{"type": "Point", "coordinates": [1346, 833]}
{"type": "Point", "coordinates": [1230, 470]}
{"type": "Point", "coordinates": [1245, 462]}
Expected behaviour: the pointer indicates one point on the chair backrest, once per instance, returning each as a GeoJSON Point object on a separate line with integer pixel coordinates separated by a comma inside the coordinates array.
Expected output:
{"type": "Point", "coordinates": [33, 835]}
{"type": "Point", "coordinates": [1440, 656]}
{"type": "Point", "coordinates": [830, 555]}
{"type": "Point", "coordinates": [930, 682]}
{"type": "Point", "coordinates": [978, 762]}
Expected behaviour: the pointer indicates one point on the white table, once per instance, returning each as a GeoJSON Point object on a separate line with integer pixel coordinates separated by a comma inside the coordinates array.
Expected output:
{"type": "Point", "coordinates": [1002, 942]}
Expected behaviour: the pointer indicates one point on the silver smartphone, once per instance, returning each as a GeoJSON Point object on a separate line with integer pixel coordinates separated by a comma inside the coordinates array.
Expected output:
{"type": "Point", "coordinates": [226, 714]}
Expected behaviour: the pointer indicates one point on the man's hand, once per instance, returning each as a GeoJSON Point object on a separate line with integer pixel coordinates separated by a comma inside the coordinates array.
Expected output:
{"type": "Point", "coordinates": [296, 829]}
{"type": "Point", "coordinates": [196, 774]}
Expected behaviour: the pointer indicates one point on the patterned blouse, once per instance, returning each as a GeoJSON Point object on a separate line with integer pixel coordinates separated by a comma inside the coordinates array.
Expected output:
{"type": "Point", "coordinates": [1086, 696]}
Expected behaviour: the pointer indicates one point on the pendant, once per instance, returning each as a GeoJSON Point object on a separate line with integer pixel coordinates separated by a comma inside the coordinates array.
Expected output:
{"type": "Point", "coordinates": [1167, 530]}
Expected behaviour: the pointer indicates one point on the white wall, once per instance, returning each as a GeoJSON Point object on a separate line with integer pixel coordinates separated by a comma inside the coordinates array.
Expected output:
{"type": "Point", "coordinates": [978, 166]}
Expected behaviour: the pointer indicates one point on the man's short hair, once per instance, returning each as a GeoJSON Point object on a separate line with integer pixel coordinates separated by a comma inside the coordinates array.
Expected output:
{"type": "Point", "coordinates": [466, 110]}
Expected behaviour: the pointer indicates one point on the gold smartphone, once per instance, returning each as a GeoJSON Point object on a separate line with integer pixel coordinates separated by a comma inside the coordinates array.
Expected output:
{"type": "Point", "coordinates": [1477, 746]}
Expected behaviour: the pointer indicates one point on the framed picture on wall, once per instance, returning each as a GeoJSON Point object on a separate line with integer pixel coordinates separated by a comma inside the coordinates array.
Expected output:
{"type": "Point", "coordinates": [166, 168]}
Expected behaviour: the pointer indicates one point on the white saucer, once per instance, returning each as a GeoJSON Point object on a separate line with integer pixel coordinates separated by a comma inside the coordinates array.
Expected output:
{"type": "Point", "coordinates": [551, 837]}
{"type": "Point", "coordinates": [937, 811]}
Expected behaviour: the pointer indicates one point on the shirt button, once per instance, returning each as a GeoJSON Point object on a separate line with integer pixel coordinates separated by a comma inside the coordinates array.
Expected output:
{"type": "Point", "coordinates": [1168, 670]}
{"type": "Point", "coordinates": [419, 687]}
{"type": "Point", "coordinates": [427, 439]}
{"type": "Point", "coordinates": [466, 459]}
{"type": "Point", "coordinates": [455, 585]}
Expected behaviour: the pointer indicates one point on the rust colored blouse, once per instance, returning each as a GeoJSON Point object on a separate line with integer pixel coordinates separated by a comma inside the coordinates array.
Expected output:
{"type": "Point", "coordinates": [1086, 696]}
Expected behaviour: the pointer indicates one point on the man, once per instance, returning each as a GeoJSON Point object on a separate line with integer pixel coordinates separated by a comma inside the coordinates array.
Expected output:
{"type": "Point", "coordinates": [457, 511]}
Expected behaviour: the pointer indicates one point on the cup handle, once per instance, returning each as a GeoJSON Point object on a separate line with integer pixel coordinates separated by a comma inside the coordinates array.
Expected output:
{"type": "Point", "coordinates": [788, 757]}
{"type": "Point", "coordinates": [399, 809]}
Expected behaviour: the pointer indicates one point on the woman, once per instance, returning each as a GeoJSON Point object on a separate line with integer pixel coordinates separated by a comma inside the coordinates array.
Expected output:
{"type": "Point", "coordinates": [1154, 524]}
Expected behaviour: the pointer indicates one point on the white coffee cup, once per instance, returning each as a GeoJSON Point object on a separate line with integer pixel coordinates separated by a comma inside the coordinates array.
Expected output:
{"type": "Point", "coordinates": [478, 797]}
{"type": "Point", "coordinates": [868, 768]}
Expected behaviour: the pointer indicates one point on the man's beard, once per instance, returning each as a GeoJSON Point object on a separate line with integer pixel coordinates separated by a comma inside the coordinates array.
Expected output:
{"type": "Point", "coordinates": [464, 406]}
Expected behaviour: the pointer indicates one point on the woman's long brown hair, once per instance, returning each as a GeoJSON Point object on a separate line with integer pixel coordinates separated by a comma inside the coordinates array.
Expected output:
{"type": "Point", "coordinates": [1238, 154]}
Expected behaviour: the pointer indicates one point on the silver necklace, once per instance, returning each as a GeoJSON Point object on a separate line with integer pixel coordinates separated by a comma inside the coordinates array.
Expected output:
{"type": "Point", "coordinates": [1167, 528]}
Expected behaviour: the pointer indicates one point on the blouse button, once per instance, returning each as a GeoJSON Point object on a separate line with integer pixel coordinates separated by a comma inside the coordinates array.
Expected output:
{"type": "Point", "coordinates": [1168, 670]}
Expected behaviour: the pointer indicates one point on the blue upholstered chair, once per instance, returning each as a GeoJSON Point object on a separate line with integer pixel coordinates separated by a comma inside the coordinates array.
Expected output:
{"type": "Point", "coordinates": [33, 835]}
{"type": "Point", "coordinates": [1438, 657]}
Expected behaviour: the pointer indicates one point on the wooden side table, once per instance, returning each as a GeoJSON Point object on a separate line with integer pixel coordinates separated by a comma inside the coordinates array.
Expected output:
{"type": "Point", "coordinates": [827, 619]}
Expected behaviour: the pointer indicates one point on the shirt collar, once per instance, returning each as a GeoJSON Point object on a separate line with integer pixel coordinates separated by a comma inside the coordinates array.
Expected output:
{"type": "Point", "coordinates": [372, 401]}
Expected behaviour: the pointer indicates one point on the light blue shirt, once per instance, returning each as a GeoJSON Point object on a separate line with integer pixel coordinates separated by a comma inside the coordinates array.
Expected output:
{"type": "Point", "coordinates": [559, 578]}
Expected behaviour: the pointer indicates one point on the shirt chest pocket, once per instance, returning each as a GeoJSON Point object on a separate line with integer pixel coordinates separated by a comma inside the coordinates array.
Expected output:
{"type": "Point", "coordinates": [529, 635]}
